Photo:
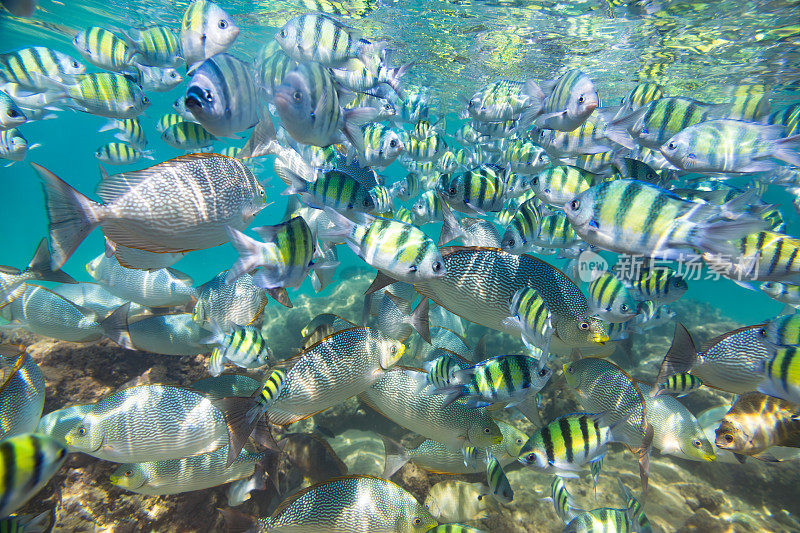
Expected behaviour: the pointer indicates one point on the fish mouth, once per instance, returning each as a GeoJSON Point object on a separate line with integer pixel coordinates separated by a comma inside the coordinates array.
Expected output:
{"type": "Point", "coordinates": [601, 339]}
{"type": "Point", "coordinates": [280, 100]}
{"type": "Point", "coordinates": [195, 98]}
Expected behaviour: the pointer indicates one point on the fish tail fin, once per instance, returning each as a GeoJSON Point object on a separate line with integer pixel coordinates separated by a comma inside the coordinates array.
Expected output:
{"type": "Point", "coordinates": [453, 392]}
{"type": "Point", "coordinates": [396, 456]}
{"type": "Point", "coordinates": [249, 254]}
{"type": "Point", "coordinates": [393, 76]}
{"type": "Point", "coordinates": [381, 280]}
{"type": "Point", "coordinates": [340, 228]}
{"type": "Point", "coordinates": [110, 125]}
{"type": "Point", "coordinates": [419, 320]}
{"type": "Point", "coordinates": [295, 183]}
{"type": "Point", "coordinates": [715, 236]}
{"type": "Point", "coordinates": [263, 140]}
{"type": "Point", "coordinates": [240, 427]}
{"type": "Point", "coordinates": [115, 326]}
{"type": "Point", "coordinates": [41, 266]}
{"type": "Point", "coordinates": [680, 357]}
{"type": "Point", "coordinates": [451, 229]}
{"type": "Point", "coordinates": [72, 216]}
{"type": "Point", "coordinates": [788, 150]}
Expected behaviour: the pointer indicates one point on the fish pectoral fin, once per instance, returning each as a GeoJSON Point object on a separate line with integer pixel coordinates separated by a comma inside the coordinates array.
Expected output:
{"type": "Point", "coordinates": [739, 457]}
{"type": "Point", "coordinates": [767, 458]}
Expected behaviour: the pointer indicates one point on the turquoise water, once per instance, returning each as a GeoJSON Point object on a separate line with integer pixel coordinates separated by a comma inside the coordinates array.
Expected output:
{"type": "Point", "coordinates": [504, 39]}
{"type": "Point", "coordinates": [698, 49]}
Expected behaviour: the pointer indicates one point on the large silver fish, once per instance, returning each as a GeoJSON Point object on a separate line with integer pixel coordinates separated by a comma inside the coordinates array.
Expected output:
{"type": "Point", "coordinates": [56, 424]}
{"type": "Point", "coordinates": [174, 334]}
{"type": "Point", "coordinates": [43, 312]}
{"type": "Point", "coordinates": [174, 476]}
{"type": "Point", "coordinates": [21, 392]}
{"type": "Point", "coordinates": [157, 288]}
{"type": "Point", "coordinates": [240, 303]}
{"type": "Point", "coordinates": [150, 423]}
{"type": "Point", "coordinates": [480, 282]}
{"type": "Point", "coordinates": [357, 504]}
{"type": "Point", "coordinates": [179, 205]}
{"type": "Point", "coordinates": [403, 396]}
{"type": "Point", "coordinates": [436, 457]}
{"type": "Point", "coordinates": [326, 374]}
{"type": "Point", "coordinates": [729, 362]}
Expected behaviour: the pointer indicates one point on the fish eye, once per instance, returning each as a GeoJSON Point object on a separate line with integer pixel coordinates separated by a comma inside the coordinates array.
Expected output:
{"type": "Point", "coordinates": [543, 372]}
{"type": "Point", "coordinates": [74, 64]}
{"type": "Point", "coordinates": [283, 33]}
{"type": "Point", "coordinates": [11, 113]}
{"type": "Point", "coordinates": [531, 457]}
{"type": "Point", "coordinates": [297, 96]}
{"type": "Point", "coordinates": [535, 180]}
{"type": "Point", "coordinates": [366, 202]}
{"type": "Point", "coordinates": [394, 349]}
{"type": "Point", "coordinates": [575, 205]}
{"type": "Point", "coordinates": [623, 307]}
{"type": "Point", "coordinates": [486, 430]}
{"type": "Point", "coordinates": [451, 190]}
{"type": "Point", "coordinates": [696, 443]}
{"type": "Point", "coordinates": [81, 431]}
{"type": "Point", "coordinates": [222, 24]}
{"type": "Point", "coordinates": [518, 441]}
{"type": "Point", "coordinates": [728, 438]}
{"type": "Point", "coordinates": [412, 268]}
{"type": "Point", "coordinates": [580, 100]}
{"type": "Point", "coordinates": [173, 74]}
{"type": "Point", "coordinates": [672, 146]}
{"type": "Point", "coordinates": [417, 521]}
{"type": "Point", "coordinates": [145, 100]}
{"type": "Point", "coordinates": [584, 326]}
{"type": "Point", "coordinates": [471, 103]}
{"type": "Point", "coordinates": [510, 242]}
{"type": "Point", "coordinates": [762, 332]}
{"type": "Point", "coordinates": [436, 266]}
{"type": "Point", "coordinates": [128, 473]}
{"type": "Point", "coordinates": [393, 143]}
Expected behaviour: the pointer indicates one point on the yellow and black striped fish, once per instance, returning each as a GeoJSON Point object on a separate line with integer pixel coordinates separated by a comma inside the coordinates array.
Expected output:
{"type": "Point", "coordinates": [206, 29]}
{"type": "Point", "coordinates": [521, 229]}
{"type": "Point", "coordinates": [22, 66]}
{"type": "Point", "coordinates": [106, 94]}
{"type": "Point", "coordinates": [157, 46]}
{"type": "Point", "coordinates": [104, 49]}
{"type": "Point", "coordinates": [27, 462]}
{"type": "Point", "coordinates": [121, 154]}
{"type": "Point", "coordinates": [243, 346]}
{"type": "Point", "coordinates": [477, 191]}
{"type": "Point", "coordinates": [130, 130]}
{"type": "Point", "coordinates": [185, 135]}
{"type": "Point", "coordinates": [282, 261]}
{"type": "Point", "coordinates": [663, 118]}
{"type": "Point", "coordinates": [566, 444]}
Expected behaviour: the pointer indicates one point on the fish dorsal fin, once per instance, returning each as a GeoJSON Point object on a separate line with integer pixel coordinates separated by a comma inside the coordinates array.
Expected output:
{"type": "Point", "coordinates": [183, 277]}
{"type": "Point", "coordinates": [299, 494]}
{"type": "Point", "coordinates": [112, 187]}
{"type": "Point", "coordinates": [706, 346]}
